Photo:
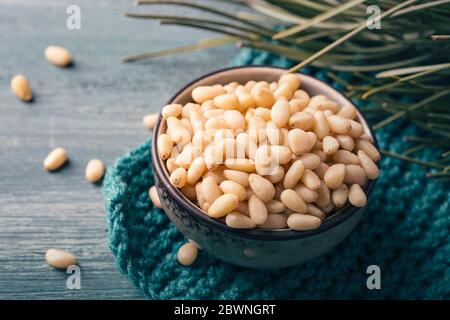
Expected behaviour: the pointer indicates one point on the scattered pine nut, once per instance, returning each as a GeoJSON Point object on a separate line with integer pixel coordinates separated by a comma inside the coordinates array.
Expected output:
{"type": "Point", "coordinates": [187, 254]}
{"type": "Point", "coordinates": [59, 56]}
{"type": "Point", "coordinates": [153, 193]}
{"type": "Point", "coordinates": [60, 259]}
{"type": "Point", "coordinates": [150, 120]}
{"type": "Point", "coordinates": [21, 88]}
{"type": "Point", "coordinates": [95, 170]}
{"type": "Point", "coordinates": [356, 196]}
{"type": "Point", "coordinates": [55, 159]}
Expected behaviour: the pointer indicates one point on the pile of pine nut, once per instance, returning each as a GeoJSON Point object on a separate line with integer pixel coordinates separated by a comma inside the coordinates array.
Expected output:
{"type": "Point", "coordinates": [267, 155]}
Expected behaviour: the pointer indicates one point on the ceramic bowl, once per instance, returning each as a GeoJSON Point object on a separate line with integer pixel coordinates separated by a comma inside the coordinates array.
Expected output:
{"type": "Point", "coordinates": [253, 248]}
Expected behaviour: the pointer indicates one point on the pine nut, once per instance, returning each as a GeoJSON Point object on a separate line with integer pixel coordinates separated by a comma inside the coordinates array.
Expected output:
{"type": "Point", "coordinates": [189, 192]}
{"type": "Point", "coordinates": [310, 179]}
{"type": "Point", "coordinates": [94, 170]}
{"type": "Point", "coordinates": [227, 101]}
{"type": "Point", "coordinates": [328, 107]}
{"type": "Point", "coordinates": [302, 222]}
{"type": "Point", "coordinates": [273, 86]}
{"type": "Point", "coordinates": [293, 201]}
{"type": "Point", "coordinates": [339, 195]}
{"type": "Point", "coordinates": [315, 211]}
{"type": "Point", "coordinates": [231, 87]}
{"type": "Point", "coordinates": [234, 119]}
{"type": "Point", "coordinates": [21, 88]}
{"type": "Point", "coordinates": [210, 189]}
{"type": "Point", "coordinates": [55, 159]}
{"type": "Point", "coordinates": [368, 165]}
{"type": "Point", "coordinates": [334, 176]}
{"type": "Point", "coordinates": [310, 160]}
{"type": "Point", "coordinates": [277, 175]}
{"type": "Point", "coordinates": [275, 206]}
{"type": "Point", "coordinates": [291, 79]}
{"type": "Point", "coordinates": [212, 158]}
{"type": "Point", "coordinates": [195, 170]}
{"type": "Point", "coordinates": [257, 210]}
{"type": "Point", "coordinates": [178, 178]}
{"type": "Point", "coordinates": [153, 193]}
{"type": "Point", "coordinates": [346, 142]}
{"type": "Point", "coordinates": [246, 144]}
{"type": "Point", "coordinates": [259, 85]}
{"type": "Point", "coordinates": [354, 174]}
{"type": "Point", "coordinates": [239, 221]}
{"type": "Point", "coordinates": [338, 124]}
{"type": "Point", "coordinates": [280, 113]}
{"type": "Point", "coordinates": [316, 100]}
{"type": "Point", "coordinates": [171, 165]}
{"type": "Point", "coordinates": [274, 221]}
{"type": "Point", "coordinates": [249, 85]}
{"type": "Point", "coordinates": [262, 187]}
{"type": "Point", "coordinates": [242, 207]}
{"type": "Point", "coordinates": [293, 174]}
{"type": "Point", "coordinates": [283, 92]}
{"type": "Point", "coordinates": [187, 254]}
{"type": "Point", "coordinates": [186, 157]}
{"type": "Point", "coordinates": [321, 127]}
{"type": "Point", "coordinates": [356, 196]}
{"type": "Point", "coordinates": [171, 110]}
{"type": "Point", "coordinates": [246, 102]}
{"type": "Point", "coordinates": [330, 145]}
{"type": "Point", "coordinates": [199, 194]}
{"type": "Point", "coordinates": [235, 188]}
{"type": "Point", "coordinates": [190, 107]}
{"type": "Point", "coordinates": [257, 129]}
{"type": "Point", "coordinates": [347, 112]}
{"type": "Point", "coordinates": [59, 56]}
{"type": "Point", "coordinates": [356, 129]}
{"type": "Point", "coordinates": [246, 165]}
{"type": "Point", "coordinates": [299, 141]}
{"type": "Point", "coordinates": [301, 120]}
{"type": "Point", "coordinates": [345, 157]}
{"type": "Point", "coordinates": [202, 94]}
{"type": "Point", "coordinates": [223, 205]}
{"type": "Point", "coordinates": [366, 137]}
{"type": "Point", "coordinates": [60, 259]}
{"type": "Point", "coordinates": [263, 113]}
{"type": "Point", "coordinates": [306, 194]}
{"type": "Point", "coordinates": [150, 120]}
{"type": "Point", "coordinates": [368, 148]}
{"type": "Point", "coordinates": [214, 113]}
{"type": "Point", "coordinates": [237, 176]}
{"type": "Point", "coordinates": [263, 97]}
{"type": "Point", "coordinates": [321, 170]}
{"type": "Point", "coordinates": [273, 134]}
{"type": "Point", "coordinates": [324, 195]}
{"type": "Point", "coordinates": [299, 102]}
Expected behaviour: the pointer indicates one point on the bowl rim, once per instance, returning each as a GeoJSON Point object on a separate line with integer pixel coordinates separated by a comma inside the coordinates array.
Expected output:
{"type": "Point", "coordinates": [328, 223]}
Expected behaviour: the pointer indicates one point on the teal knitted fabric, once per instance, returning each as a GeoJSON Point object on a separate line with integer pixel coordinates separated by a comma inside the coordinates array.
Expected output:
{"type": "Point", "coordinates": [404, 231]}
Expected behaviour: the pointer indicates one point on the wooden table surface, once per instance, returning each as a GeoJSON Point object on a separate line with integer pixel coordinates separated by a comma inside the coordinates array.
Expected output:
{"type": "Point", "coordinates": [94, 110]}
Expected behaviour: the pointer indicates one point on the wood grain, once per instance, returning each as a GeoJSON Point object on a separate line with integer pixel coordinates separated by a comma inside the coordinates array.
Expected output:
{"type": "Point", "coordinates": [94, 110]}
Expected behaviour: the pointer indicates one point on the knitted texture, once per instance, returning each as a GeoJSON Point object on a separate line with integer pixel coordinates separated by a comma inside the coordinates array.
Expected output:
{"type": "Point", "coordinates": [404, 231]}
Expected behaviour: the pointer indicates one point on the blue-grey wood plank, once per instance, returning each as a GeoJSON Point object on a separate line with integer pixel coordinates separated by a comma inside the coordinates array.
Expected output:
{"type": "Point", "coordinates": [93, 110]}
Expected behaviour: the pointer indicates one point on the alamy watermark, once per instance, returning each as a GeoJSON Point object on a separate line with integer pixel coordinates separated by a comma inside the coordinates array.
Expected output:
{"type": "Point", "coordinates": [73, 21]}
{"type": "Point", "coordinates": [374, 20]}
{"type": "Point", "coordinates": [74, 280]}
{"type": "Point", "coordinates": [374, 280]}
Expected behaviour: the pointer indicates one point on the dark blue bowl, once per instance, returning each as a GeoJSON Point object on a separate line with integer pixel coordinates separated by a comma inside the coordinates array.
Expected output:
{"type": "Point", "coordinates": [255, 248]}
